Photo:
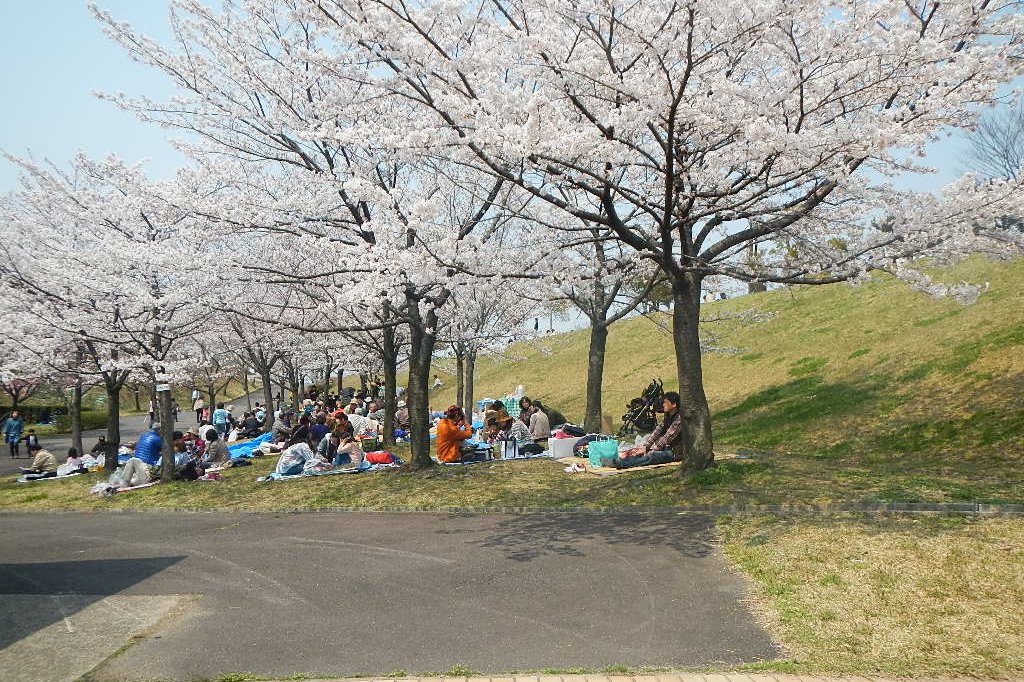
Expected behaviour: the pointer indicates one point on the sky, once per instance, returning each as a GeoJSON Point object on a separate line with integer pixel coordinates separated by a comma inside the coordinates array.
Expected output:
{"type": "Point", "coordinates": [56, 56]}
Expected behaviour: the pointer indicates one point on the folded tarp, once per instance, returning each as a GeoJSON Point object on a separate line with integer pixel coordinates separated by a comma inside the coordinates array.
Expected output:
{"type": "Point", "coordinates": [249, 447]}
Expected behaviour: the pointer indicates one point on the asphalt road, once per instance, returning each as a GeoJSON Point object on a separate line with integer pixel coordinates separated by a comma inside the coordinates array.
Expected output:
{"type": "Point", "coordinates": [367, 593]}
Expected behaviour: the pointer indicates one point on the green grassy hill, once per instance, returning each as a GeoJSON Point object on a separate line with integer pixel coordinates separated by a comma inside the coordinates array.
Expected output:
{"type": "Point", "coordinates": [864, 381]}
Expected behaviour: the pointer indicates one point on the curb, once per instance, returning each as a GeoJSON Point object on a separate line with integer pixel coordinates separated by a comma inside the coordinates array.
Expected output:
{"type": "Point", "coordinates": [888, 508]}
{"type": "Point", "coordinates": [661, 677]}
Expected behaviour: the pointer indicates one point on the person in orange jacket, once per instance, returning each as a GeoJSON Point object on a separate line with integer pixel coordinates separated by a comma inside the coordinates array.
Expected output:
{"type": "Point", "coordinates": [451, 432]}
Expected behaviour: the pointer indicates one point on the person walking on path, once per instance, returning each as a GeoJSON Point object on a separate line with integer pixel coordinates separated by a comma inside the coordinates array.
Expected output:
{"type": "Point", "coordinates": [12, 432]}
{"type": "Point", "coordinates": [220, 420]}
{"type": "Point", "coordinates": [199, 405]}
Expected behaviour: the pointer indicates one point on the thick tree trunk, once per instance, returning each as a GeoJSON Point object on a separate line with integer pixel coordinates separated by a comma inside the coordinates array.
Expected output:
{"type": "Point", "coordinates": [268, 399]}
{"type": "Point", "coordinates": [295, 388]}
{"type": "Point", "coordinates": [341, 379]}
{"type": "Point", "coordinates": [695, 446]}
{"type": "Point", "coordinates": [595, 376]}
{"type": "Point", "coordinates": [135, 397]}
{"type": "Point", "coordinates": [389, 356]}
{"type": "Point", "coordinates": [165, 409]}
{"type": "Point", "coordinates": [364, 379]}
{"type": "Point", "coordinates": [76, 417]}
{"type": "Point", "coordinates": [211, 391]}
{"type": "Point", "coordinates": [470, 383]}
{"type": "Point", "coordinates": [113, 388]}
{"type": "Point", "coordinates": [422, 341]}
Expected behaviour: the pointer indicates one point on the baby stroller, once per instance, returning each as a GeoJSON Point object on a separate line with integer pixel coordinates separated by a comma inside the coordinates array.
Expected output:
{"type": "Point", "coordinates": [641, 414]}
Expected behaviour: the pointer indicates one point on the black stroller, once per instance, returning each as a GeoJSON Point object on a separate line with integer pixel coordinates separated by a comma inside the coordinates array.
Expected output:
{"type": "Point", "coordinates": [641, 414]}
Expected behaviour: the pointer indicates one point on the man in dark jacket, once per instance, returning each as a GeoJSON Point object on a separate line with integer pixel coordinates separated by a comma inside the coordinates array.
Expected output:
{"type": "Point", "coordinates": [658, 449]}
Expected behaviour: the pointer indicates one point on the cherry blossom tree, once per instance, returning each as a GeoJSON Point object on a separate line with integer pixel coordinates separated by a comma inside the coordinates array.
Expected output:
{"type": "Point", "coordinates": [691, 131]}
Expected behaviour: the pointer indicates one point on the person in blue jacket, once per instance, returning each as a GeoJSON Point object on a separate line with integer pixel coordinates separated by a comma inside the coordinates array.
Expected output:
{"type": "Point", "coordinates": [148, 449]}
{"type": "Point", "coordinates": [12, 432]}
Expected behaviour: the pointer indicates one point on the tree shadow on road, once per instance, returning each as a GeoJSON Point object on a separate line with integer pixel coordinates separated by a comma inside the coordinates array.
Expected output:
{"type": "Point", "coordinates": [87, 581]}
{"type": "Point", "coordinates": [530, 536]}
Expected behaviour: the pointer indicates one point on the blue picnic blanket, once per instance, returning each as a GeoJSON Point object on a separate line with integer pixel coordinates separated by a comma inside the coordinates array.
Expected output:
{"type": "Point", "coordinates": [247, 448]}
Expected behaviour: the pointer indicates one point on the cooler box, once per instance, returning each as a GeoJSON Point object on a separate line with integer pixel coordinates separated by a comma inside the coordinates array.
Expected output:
{"type": "Point", "coordinates": [561, 448]}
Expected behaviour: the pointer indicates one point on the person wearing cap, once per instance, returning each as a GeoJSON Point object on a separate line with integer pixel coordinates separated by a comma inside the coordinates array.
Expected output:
{"type": "Point", "coordinates": [44, 464]}
{"type": "Point", "coordinates": [402, 416]}
{"type": "Point", "coordinates": [452, 431]}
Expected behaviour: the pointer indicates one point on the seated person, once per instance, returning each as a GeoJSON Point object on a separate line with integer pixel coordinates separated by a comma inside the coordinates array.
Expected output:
{"type": "Point", "coordinates": [148, 447]}
{"type": "Point", "coordinates": [318, 430]}
{"type": "Point", "coordinates": [328, 446]}
{"type": "Point", "coordinates": [658, 448]}
{"type": "Point", "coordinates": [44, 464]}
{"type": "Point", "coordinates": [452, 432]}
{"type": "Point", "coordinates": [216, 450]}
{"type": "Point", "coordinates": [496, 419]}
{"type": "Point", "coordinates": [134, 472]}
{"type": "Point", "coordinates": [342, 425]}
{"type": "Point", "coordinates": [74, 463]}
{"type": "Point", "coordinates": [296, 459]}
{"type": "Point", "coordinates": [282, 430]}
{"type": "Point", "coordinates": [519, 432]}
{"type": "Point", "coordinates": [250, 427]}
{"type": "Point", "coordinates": [301, 434]}
{"type": "Point", "coordinates": [350, 452]}
{"type": "Point", "coordinates": [402, 416]}
{"type": "Point", "coordinates": [102, 447]}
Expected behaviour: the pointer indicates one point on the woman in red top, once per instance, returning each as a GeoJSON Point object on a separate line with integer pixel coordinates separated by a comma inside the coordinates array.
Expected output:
{"type": "Point", "coordinates": [451, 432]}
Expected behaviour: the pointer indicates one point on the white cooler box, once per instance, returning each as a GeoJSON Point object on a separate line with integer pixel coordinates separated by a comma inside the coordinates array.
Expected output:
{"type": "Point", "coordinates": [561, 448]}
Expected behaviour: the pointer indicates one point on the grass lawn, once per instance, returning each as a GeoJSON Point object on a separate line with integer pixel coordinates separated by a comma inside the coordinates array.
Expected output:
{"type": "Point", "coordinates": [931, 596]}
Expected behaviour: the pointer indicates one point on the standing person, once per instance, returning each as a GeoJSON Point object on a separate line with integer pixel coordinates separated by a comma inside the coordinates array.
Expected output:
{"type": "Point", "coordinates": [195, 394]}
{"type": "Point", "coordinates": [452, 431]}
{"type": "Point", "coordinates": [152, 411]}
{"type": "Point", "coordinates": [174, 410]}
{"type": "Point", "coordinates": [12, 432]}
{"type": "Point", "coordinates": [220, 420]}
{"type": "Point", "coordinates": [199, 405]}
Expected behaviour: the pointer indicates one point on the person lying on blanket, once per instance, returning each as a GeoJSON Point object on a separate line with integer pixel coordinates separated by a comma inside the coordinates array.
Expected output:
{"type": "Point", "coordinates": [658, 447]}
{"type": "Point", "coordinates": [451, 432]}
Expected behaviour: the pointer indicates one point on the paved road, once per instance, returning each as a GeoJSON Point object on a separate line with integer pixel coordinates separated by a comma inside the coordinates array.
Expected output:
{"type": "Point", "coordinates": [365, 593]}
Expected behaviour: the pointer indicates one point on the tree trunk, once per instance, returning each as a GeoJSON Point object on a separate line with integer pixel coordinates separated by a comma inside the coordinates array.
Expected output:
{"type": "Point", "coordinates": [135, 397]}
{"type": "Point", "coordinates": [113, 388]}
{"type": "Point", "coordinates": [295, 388]}
{"type": "Point", "coordinates": [470, 383]}
{"type": "Point", "coordinates": [460, 375]}
{"type": "Point", "coordinates": [211, 390]}
{"type": "Point", "coordinates": [341, 379]}
{"type": "Point", "coordinates": [389, 358]}
{"type": "Point", "coordinates": [268, 399]}
{"type": "Point", "coordinates": [76, 417]}
{"type": "Point", "coordinates": [363, 381]}
{"type": "Point", "coordinates": [165, 410]}
{"type": "Point", "coordinates": [695, 445]}
{"type": "Point", "coordinates": [245, 387]}
{"type": "Point", "coordinates": [595, 376]}
{"type": "Point", "coordinates": [422, 341]}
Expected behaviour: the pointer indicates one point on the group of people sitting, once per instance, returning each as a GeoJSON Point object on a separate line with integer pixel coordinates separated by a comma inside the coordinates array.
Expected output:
{"type": "Point", "coordinates": [530, 430]}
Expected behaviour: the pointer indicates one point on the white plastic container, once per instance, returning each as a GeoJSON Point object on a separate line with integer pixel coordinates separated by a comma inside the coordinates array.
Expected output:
{"type": "Point", "coordinates": [560, 448]}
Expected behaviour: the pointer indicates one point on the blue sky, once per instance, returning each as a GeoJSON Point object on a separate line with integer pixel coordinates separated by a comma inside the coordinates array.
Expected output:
{"type": "Point", "coordinates": [55, 57]}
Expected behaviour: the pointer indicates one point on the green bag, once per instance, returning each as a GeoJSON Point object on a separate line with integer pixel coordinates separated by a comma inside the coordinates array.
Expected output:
{"type": "Point", "coordinates": [602, 448]}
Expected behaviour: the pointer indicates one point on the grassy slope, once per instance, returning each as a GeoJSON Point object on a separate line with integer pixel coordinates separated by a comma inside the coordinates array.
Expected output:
{"type": "Point", "coordinates": [877, 391]}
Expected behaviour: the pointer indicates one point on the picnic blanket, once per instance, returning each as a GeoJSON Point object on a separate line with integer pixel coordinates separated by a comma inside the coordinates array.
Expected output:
{"type": "Point", "coordinates": [330, 472]}
{"type": "Point", "coordinates": [22, 479]}
{"type": "Point", "coordinates": [249, 447]}
{"type": "Point", "coordinates": [484, 461]}
{"type": "Point", "coordinates": [610, 471]}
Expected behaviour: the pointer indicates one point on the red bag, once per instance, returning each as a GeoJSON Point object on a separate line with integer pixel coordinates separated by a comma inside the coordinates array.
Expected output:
{"type": "Point", "coordinates": [379, 457]}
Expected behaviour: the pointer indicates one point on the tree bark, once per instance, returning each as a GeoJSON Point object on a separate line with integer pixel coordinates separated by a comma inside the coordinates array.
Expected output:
{"type": "Point", "coordinates": [460, 376]}
{"type": "Point", "coordinates": [268, 398]}
{"type": "Point", "coordinates": [389, 357]}
{"type": "Point", "coordinates": [165, 411]}
{"type": "Point", "coordinates": [695, 446]}
{"type": "Point", "coordinates": [363, 381]}
{"type": "Point", "coordinates": [470, 382]}
{"type": "Point", "coordinates": [76, 417]}
{"type": "Point", "coordinates": [341, 378]}
{"type": "Point", "coordinates": [595, 376]}
{"type": "Point", "coordinates": [422, 340]}
{"type": "Point", "coordinates": [113, 388]}
{"type": "Point", "coordinates": [135, 397]}
{"type": "Point", "coordinates": [245, 387]}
